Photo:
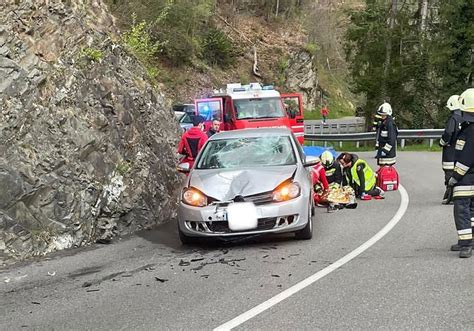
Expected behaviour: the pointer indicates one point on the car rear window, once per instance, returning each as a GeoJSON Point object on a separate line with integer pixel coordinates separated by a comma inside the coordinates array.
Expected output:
{"type": "Point", "coordinates": [247, 152]}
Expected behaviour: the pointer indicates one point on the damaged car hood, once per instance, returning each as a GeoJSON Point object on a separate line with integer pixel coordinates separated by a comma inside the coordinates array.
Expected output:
{"type": "Point", "coordinates": [225, 185]}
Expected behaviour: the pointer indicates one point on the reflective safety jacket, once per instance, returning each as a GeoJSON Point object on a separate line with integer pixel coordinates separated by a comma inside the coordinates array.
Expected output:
{"type": "Point", "coordinates": [387, 142]}
{"type": "Point", "coordinates": [334, 173]}
{"type": "Point", "coordinates": [191, 143]}
{"type": "Point", "coordinates": [464, 162]}
{"type": "Point", "coordinates": [362, 177]}
{"type": "Point", "coordinates": [448, 139]}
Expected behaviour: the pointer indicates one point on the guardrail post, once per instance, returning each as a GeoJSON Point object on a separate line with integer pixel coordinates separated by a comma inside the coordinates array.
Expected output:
{"type": "Point", "coordinates": [358, 144]}
{"type": "Point", "coordinates": [431, 143]}
{"type": "Point", "coordinates": [402, 143]}
{"type": "Point", "coordinates": [340, 144]}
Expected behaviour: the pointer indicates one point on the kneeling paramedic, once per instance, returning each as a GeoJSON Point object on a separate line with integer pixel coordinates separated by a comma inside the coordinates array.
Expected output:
{"type": "Point", "coordinates": [320, 183]}
{"type": "Point", "coordinates": [463, 177]}
{"type": "Point", "coordinates": [334, 173]}
{"type": "Point", "coordinates": [360, 176]}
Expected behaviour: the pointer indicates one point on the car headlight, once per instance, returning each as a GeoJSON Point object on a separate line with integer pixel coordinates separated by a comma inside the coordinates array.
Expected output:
{"type": "Point", "coordinates": [193, 197]}
{"type": "Point", "coordinates": [286, 191]}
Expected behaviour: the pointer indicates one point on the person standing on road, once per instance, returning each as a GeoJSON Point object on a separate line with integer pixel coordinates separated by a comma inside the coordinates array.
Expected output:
{"type": "Point", "coordinates": [447, 141]}
{"type": "Point", "coordinates": [192, 141]}
{"type": "Point", "coordinates": [215, 128]}
{"type": "Point", "coordinates": [463, 177]}
{"type": "Point", "coordinates": [386, 137]}
{"type": "Point", "coordinates": [324, 113]}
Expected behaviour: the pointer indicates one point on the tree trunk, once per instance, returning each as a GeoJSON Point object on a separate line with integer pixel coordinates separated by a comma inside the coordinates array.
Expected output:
{"type": "Point", "coordinates": [277, 9]}
{"type": "Point", "coordinates": [424, 14]}
{"type": "Point", "coordinates": [388, 47]}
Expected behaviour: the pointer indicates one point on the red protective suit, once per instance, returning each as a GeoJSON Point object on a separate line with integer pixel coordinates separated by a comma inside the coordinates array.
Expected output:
{"type": "Point", "coordinates": [318, 174]}
{"type": "Point", "coordinates": [191, 143]}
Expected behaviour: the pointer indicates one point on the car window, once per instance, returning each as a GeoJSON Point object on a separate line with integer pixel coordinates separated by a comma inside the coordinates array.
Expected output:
{"type": "Point", "coordinates": [187, 119]}
{"type": "Point", "coordinates": [247, 152]}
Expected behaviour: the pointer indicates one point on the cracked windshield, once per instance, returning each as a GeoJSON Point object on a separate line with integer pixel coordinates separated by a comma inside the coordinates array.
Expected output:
{"type": "Point", "coordinates": [260, 152]}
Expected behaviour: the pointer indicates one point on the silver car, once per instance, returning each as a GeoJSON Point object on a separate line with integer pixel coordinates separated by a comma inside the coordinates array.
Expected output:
{"type": "Point", "coordinates": [246, 182]}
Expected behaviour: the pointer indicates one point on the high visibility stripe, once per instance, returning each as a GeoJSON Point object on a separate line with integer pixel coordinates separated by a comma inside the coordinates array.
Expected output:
{"type": "Point", "coordinates": [387, 147]}
{"type": "Point", "coordinates": [465, 236]}
{"type": "Point", "coordinates": [462, 166]}
{"type": "Point", "coordinates": [464, 231]}
{"type": "Point", "coordinates": [391, 160]}
{"type": "Point", "coordinates": [460, 171]}
{"type": "Point", "coordinates": [442, 142]}
{"type": "Point", "coordinates": [384, 134]}
{"type": "Point", "coordinates": [297, 127]}
{"type": "Point", "coordinates": [448, 165]}
{"type": "Point", "coordinates": [330, 172]}
{"type": "Point", "coordinates": [298, 134]}
{"type": "Point", "coordinates": [460, 144]}
{"type": "Point", "coordinates": [463, 191]}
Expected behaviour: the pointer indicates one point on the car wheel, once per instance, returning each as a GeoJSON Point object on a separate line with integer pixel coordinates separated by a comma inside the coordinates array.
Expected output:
{"type": "Point", "coordinates": [186, 240]}
{"type": "Point", "coordinates": [307, 232]}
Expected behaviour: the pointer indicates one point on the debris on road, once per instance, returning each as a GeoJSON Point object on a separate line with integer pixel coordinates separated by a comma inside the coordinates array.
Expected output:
{"type": "Point", "coordinates": [161, 280]}
{"type": "Point", "coordinates": [87, 284]}
{"type": "Point", "coordinates": [93, 290]}
{"type": "Point", "coordinates": [35, 302]}
{"type": "Point", "coordinates": [51, 273]}
{"type": "Point", "coordinates": [275, 275]}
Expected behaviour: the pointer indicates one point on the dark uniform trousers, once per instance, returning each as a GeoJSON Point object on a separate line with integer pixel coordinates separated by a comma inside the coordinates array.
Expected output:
{"type": "Point", "coordinates": [463, 191]}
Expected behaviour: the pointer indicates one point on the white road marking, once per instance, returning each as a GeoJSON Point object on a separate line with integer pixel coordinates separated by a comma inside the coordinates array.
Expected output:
{"type": "Point", "coordinates": [242, 318]}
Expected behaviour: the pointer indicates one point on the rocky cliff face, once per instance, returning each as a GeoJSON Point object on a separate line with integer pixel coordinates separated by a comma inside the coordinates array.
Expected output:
{"type": "Point", "coordinates": [301, 76]}
{"type": "Point", "coordinates": [86, 143]}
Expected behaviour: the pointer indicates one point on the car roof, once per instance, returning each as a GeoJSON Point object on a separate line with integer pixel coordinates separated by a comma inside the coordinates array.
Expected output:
{"type": "Point", "coordinates": [251, 133]}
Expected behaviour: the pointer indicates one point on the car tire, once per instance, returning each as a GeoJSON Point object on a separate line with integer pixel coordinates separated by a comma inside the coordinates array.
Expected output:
{"type": "Point", "coordinates": [186, 240]}
{"type": "Point", "coordinates": [307, 232]}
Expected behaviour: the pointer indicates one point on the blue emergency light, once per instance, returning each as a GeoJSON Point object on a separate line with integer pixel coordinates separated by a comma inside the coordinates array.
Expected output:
{"type": "Point", "coordinates": [267, 87]}
{"type": "Point", "coordinates": [239, 89]}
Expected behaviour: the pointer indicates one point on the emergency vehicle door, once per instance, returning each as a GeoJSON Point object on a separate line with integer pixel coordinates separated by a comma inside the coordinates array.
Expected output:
{"type": "Point", "coordinates": [210, 109]}
{"type": "Point", "coordinates": [294, 109]}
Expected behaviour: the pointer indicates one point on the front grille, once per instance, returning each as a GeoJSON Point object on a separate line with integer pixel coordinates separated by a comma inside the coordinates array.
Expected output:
{"type": "Point", "coordinates": [223, 226]}
{"type": "Point", "coordinates": [260, 199]}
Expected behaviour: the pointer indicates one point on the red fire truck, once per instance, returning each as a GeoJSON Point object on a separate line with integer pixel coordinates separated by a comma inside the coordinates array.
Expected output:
{"type": "Point", "coordinates": [253, 106]}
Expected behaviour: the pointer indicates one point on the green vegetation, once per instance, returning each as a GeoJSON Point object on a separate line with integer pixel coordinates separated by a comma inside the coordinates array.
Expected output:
{"type": "Point", "coordinates": [91, 54]}
{"type": "Point", "coordinates": [413, 60]}
{"type": "Point", "coordinates": [311, 48]}
{"type": "Point", "coordinates": [138, 39]}
{"type": "Point", "coordinates": [218, 49]}
{"type": "Point", "coordinates": [123, 167]}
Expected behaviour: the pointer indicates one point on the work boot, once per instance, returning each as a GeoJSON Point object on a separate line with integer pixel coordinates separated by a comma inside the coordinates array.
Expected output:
{"type": "Point", "coordinates": [457, 248]}
{"type": "Point", "coordinates": [465, 252]}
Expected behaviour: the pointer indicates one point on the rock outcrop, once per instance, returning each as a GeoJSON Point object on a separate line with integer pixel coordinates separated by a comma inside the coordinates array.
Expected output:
{"type": "Point", "coordinates": [87, 145]}
{"type": "Point", "coordinates": [301, 76]}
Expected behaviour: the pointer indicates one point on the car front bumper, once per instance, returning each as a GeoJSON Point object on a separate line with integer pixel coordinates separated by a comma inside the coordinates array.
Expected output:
{"type": "Point", "coordinates": [277, 217]}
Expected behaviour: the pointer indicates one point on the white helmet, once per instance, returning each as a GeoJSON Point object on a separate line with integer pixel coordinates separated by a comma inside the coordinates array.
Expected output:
{"type": "Point", "coordinates": [385, 109]}
{"type": "Point", "coordinates": [453, 102]}
{"type": "Point", "coordinates": [466, 101]}
{"type": "Point", "coordinates": [327, 159]}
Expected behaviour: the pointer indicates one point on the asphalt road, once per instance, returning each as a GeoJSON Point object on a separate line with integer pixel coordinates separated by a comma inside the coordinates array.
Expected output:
{"type": "Point", "coordinates": [407, 280]}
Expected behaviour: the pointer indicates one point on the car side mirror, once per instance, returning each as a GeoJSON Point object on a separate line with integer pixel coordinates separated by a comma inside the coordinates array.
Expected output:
{"type": "Point", "coordinates": [184, 167]}
{"type": "Point", "coordinates": [311, 161]}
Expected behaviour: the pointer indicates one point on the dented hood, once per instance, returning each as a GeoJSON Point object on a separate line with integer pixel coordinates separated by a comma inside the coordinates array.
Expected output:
{"type": "Point", "coordinates": [225, 185]}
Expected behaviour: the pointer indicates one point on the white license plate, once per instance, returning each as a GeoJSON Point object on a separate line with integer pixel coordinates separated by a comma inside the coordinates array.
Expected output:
{"type": "Point", "coordinates": [242, 216]}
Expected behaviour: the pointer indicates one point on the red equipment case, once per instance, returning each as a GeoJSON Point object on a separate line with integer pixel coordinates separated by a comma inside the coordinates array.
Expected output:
{"type": "Point", "coordinates": [387, 178]}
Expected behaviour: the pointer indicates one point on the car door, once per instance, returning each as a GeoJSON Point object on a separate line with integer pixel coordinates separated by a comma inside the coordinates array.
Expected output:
{"type": "Point", "coordinates": [294, 108]}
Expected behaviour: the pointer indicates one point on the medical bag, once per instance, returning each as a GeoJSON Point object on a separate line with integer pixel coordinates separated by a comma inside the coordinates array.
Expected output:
{"type": "Point", "coordinates": [387, 178]}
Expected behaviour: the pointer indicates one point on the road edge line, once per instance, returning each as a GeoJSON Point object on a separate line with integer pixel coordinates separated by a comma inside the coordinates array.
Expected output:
{"type": "Point", "coordinates": [242, 318]}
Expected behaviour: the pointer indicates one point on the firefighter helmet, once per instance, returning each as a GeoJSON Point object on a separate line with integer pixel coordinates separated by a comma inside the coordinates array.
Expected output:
{"type": "Point", "coordinates": [466, 101]}
{"type": "Point", "coordinates": [453, 102]}
{"type": "Point", "coordinates": [327, 159]}
{"type": "Point", "coordinates": [385, 109]}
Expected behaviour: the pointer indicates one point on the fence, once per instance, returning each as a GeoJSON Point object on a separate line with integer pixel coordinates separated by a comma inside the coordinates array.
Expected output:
{"type": "Point", "coordinates": [403, 135]}
{"type": "Point", "coordinates": [351, 125]}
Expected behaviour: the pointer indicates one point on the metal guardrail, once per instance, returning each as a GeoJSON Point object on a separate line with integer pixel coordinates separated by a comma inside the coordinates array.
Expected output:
{"type": "Point", "coordinates": [403, 135]}
{"type": "Point", "coordinates": [339, 126]}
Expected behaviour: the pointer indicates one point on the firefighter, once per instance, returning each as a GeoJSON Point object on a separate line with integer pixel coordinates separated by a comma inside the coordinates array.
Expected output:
{"type": "Point", "coordinates": [447, 141]}
{"type": "Point", "coordinates": [463, 176]}
{"type": "Point", "coordinates": [192, 141]}
{"type": "Point", "coordinates": [386, 136]}
{"type": "Point", "coordinates": [334, 173]}
{"type": "Point", "coordinates": [360, 176]}
{"type": "Point", "coordinates": [320, 183]}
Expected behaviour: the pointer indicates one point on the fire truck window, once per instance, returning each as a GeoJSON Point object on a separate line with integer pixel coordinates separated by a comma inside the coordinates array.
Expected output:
{"type": "Point", "coordinates": [210, 110]}
{"type": "Point", "coordinates": [292, 108]}
{"type": "Point", "coordinates": [258, 108]}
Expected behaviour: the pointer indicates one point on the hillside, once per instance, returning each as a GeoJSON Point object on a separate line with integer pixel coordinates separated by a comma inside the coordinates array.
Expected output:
{"type": "Point", "coordinates": [297, 51]}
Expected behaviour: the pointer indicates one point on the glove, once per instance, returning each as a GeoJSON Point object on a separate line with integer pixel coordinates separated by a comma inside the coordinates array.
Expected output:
{"type": "Point", "coordinates": [452, 181]}
{"type": "Point", "coordinates": [383, 154]}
